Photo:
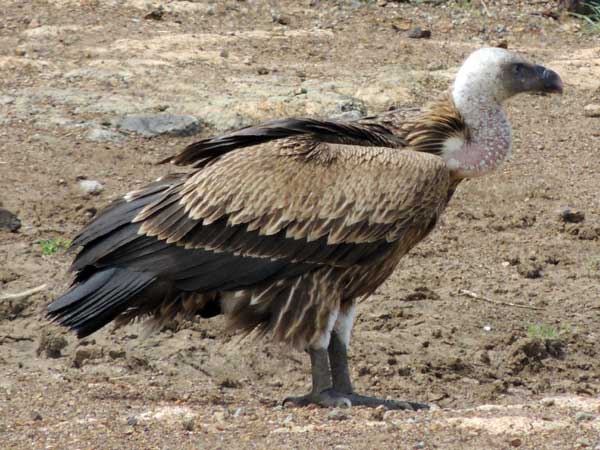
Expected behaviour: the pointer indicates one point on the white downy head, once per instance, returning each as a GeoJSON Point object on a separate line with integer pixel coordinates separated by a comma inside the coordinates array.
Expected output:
{"type": "Point", "coordinates": [488, 77]}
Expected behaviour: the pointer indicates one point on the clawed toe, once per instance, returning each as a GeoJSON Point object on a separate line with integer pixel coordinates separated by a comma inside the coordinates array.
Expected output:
{"type": "Point", "coordinates": [328, 399]}
{"type": "Point", "coordinates": [374, 402]}
{"type": "Point", "coordinates": [333, 399]}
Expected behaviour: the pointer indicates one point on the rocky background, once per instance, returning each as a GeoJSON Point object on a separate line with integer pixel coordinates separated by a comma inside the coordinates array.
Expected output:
{"type": "Point", "coordinates": [494, 319]}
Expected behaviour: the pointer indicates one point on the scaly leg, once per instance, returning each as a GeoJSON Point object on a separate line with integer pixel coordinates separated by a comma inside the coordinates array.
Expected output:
{"type": "Point", "coordinates": [321, 393]}
{"type": "Point", "coordinates": [341, 383]}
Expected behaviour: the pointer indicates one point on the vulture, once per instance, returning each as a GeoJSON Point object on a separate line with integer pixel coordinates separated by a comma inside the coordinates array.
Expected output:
{"type": "Point", "coordinates": [284, 226]}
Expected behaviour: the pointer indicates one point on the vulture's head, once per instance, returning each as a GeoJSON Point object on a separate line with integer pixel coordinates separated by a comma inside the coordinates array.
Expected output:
{"type": "Point", "coordinates": [488, 77]}
{"type": "Point", "coordinates": [497, 74]}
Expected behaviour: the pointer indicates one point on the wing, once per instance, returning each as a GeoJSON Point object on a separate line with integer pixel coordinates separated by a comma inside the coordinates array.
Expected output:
{"type": "Point", "coordinates": [367, 133]}
{"type": "Point", "coordinates": [331, 204]}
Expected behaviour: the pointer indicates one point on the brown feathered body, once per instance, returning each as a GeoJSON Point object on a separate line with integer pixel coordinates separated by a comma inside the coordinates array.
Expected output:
{"type": "Point", "coordinates": [281, 226]}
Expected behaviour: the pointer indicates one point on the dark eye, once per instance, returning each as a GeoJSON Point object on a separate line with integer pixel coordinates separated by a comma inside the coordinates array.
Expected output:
{"type": "Point", "coordinates": [518, 69]}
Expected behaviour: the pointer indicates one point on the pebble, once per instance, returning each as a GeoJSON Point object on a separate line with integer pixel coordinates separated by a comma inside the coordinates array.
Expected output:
{"type": "Point", "coordinates": [419, 445]}
{"type": "Point", "coordinates": [548, 402]}
{"type": "Point", "coordinates": [262, 71]}
{"type": "Point", "coordinates": [582, 415]}
{"type": "Point", "coordinates": [92, 187]}
{"type": "Point", "coordinates": [103, 135]}
{"type": "Point", "coordinates": [337, 414]}
{"type": "Point", "coordinates": [239, 412]}
{"type": "Point", "coordinates": [156, 14]}
{"type": "Point", "coordinates": [9, 221]}
{"type": "Point", "coordinates": [36, 416]}
{"type": "Point", "coordinates": [281, 19]}
{"type": "Point", "coordinates": [592, 110]}
{"type": "Point", "coordinates": [569, 215]}
{"type": "Point", "coordinates": [419, 33]}
{"type": "Point", "coordinates": [151, 125]}
{"type": "Point", "coordinates": [188, 424]}
{"type": "Point", "coordinates": [132, 421]}
{"type": "Point", "coordinates": [516, 442]}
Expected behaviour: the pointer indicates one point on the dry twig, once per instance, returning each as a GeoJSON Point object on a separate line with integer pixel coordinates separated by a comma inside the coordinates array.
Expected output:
{"type": "Point", "coordinates": [494, 302]}
{"type": "Point", "coordinates": [24, 294]}
{"type": "Point", "coordinates": [485, 8]}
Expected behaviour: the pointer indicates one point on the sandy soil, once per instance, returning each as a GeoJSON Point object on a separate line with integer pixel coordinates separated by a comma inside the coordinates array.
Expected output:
{"type": "Point", "coordinates": [521, 369]}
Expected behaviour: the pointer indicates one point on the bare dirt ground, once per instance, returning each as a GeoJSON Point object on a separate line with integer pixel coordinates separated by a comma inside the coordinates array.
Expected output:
{"type": "Point", "coordinates": [521, 370]}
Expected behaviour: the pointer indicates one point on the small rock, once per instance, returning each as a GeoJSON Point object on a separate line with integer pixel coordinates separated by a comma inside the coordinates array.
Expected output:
{"type": "Point", "coordinates": [569, 215]}
{"type": "Point", "coordinates": [262, 71]}
{"type": "Point", "coordinates": [92, 187]}
{"type": "Point", "coordinates": [548, 402]}
{"type": "Point", "coordinates": [9, 221]}
{"type": "Point", "coordinates": [337, 414]}
{"type": "Point", "coordinates": [132, 421]}
{"type": "Point", "coordinates": [156, 14]}
{"type": "Point", "coordinates": [592, 110]}
{"type": "Point", "coordinates": [224, 53]}
{"type": "Point", "coordinates": [90, 212]}
{"type": "Point", "coordinates": [36, 416]}
{"type": "Point", "coordinates": [419, 445]}
{"type": "Point", "coordinates": [516, 442]}
{"type": "Point", "coordinates": [239, 412]}
{"type": "Point", "coordinates": [281, 19]}
{"type": "Point", "coordinates": [419, 33]}
{"type": "Point", "coordinates": [151, 125]}
{"type": "Point", "coordinates": [188, 424]}
{"type": "Point", "coordinates": [582, 415]}
{"type": "Point", "coordinates": [104, 135]}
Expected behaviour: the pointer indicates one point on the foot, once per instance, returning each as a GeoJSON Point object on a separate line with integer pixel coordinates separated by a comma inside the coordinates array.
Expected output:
{"type": "Point", "coordinates": [333, 399]}
{"type": "Point", "coordinates": [327, 398]}
{"type": "Point", "coordinates": [374, 402]}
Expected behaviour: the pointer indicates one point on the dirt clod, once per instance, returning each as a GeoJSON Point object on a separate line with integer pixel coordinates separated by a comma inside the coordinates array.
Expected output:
{"type": "Point", "coordinates": [87, 354]}
{"type": "Point", "coordinates": [51, 344]}
{"type": "Point", "coordinates": [9, 221]}
{"type": "Point", "coordinates": [570, 215]}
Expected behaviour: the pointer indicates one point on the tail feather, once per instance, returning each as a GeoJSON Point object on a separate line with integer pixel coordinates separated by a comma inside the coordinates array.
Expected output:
{"type": "Point", "coordinates": [96, 301]}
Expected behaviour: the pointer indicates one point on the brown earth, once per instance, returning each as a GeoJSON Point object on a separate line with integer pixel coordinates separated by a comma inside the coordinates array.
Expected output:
{"type": "Point", "coordinates": [521, 369]}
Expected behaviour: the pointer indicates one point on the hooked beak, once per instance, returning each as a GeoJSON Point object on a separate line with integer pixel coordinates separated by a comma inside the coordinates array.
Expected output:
{"type": "Point", "coordinates": [549, 81]}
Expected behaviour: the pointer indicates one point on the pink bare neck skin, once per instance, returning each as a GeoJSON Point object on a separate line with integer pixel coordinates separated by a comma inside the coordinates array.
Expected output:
{"type": "Point", "coordinates": [490, 139]}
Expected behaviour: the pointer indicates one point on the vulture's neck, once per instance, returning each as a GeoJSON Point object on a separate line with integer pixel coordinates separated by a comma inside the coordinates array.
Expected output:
{"type": "Point", "coordinates": [487, 141]}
